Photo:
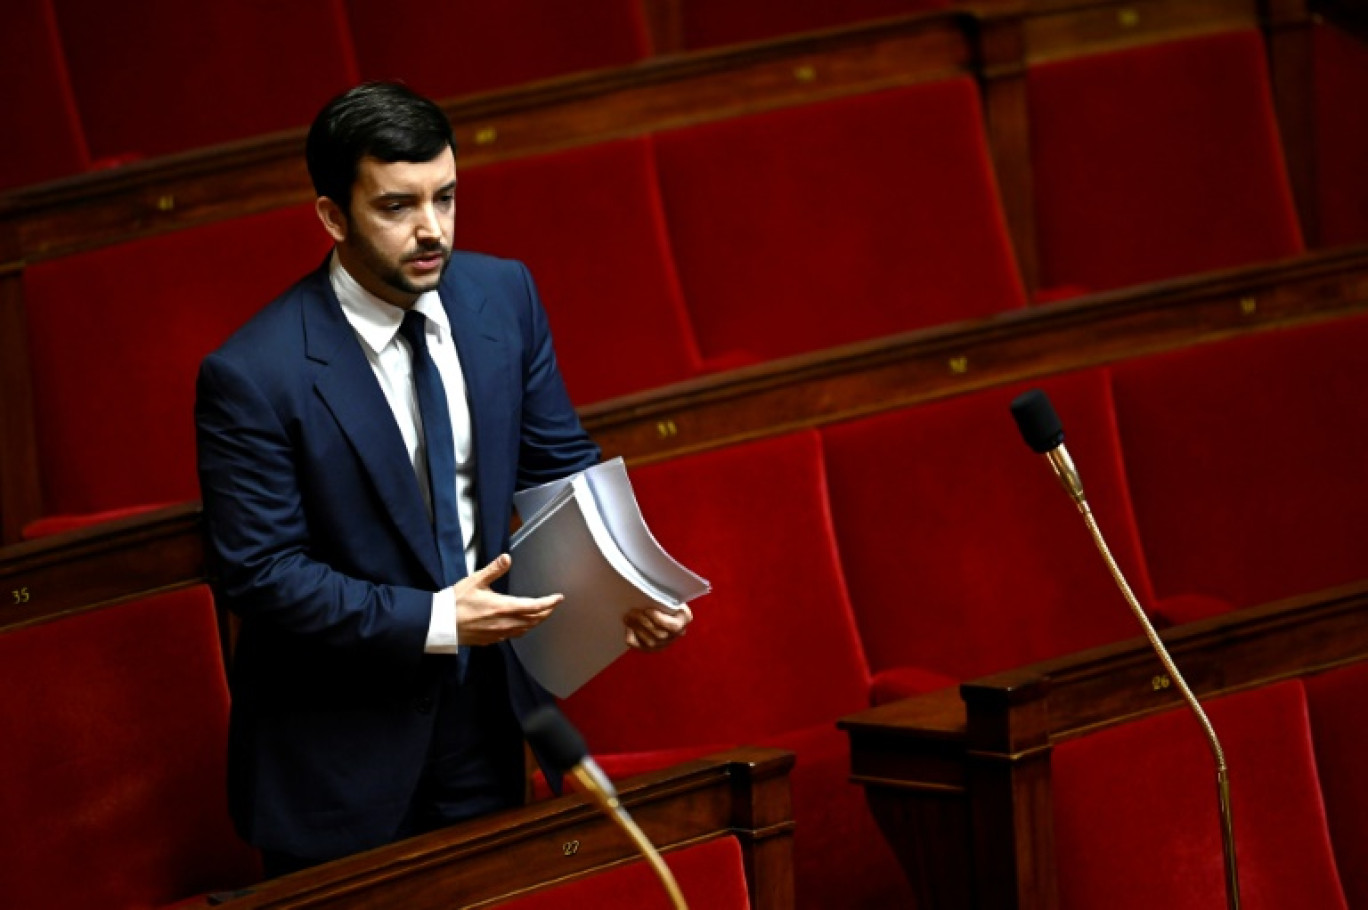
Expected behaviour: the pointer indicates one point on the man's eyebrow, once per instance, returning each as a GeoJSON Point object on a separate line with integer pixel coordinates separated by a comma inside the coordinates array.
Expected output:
{"type": "Point", "coordinates": [401, 195]}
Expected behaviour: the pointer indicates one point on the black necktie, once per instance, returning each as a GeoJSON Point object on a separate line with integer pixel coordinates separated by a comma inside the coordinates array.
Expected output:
{"type": "Point", "coordinates": [435, 411]}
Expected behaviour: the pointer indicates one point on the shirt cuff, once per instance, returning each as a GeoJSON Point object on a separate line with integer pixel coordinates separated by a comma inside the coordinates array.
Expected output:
{"type": "Point", "coordinates": [442, 637]}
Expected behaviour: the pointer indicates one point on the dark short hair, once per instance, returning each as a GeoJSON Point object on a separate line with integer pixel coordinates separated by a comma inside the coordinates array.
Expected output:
{"type": "Point", "coordinates": [385, 120]}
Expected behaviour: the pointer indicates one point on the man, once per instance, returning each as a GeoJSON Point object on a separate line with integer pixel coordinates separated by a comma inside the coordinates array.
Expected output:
{"type": "Point", "coordinates": [360, 440]}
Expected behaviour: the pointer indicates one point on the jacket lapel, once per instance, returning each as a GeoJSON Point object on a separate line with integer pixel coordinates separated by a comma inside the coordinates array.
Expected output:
{"type": "Point", "coordinates": [347, 385]}
{"type": "Point", "coordinates": [489, 376]}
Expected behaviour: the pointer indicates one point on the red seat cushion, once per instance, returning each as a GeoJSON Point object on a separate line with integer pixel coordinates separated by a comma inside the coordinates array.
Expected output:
{"type": "Point", "coordinates": [35, 92]}
{"type": "Point", "coordinates": [445, 49]}
{"type": "Point", "coordinates": [115, 729]}
{"type": "Point", "coordinates": [1137, 821]}
{"type": "Point", "coordinates": [710, 874]}
{"type": "Point", "coordinates": [116, 336]}
{"type": "Point", "coordinates": [814, 226]}
{"type": "Point", "coordinates": [589, 225]}
{"type": "Point", "coordinates": [1336, 700]}
{"type": "Point", "coordinates": [185, 75]}
{"type": "Point", "coordinates": [1158, 161]}
{"type": "Point", "coordinates": [1246, 461]}
{"type": "Point", "coordinates": [1341, 81]}
{"type": "Point", "coordinates": [963, 554]}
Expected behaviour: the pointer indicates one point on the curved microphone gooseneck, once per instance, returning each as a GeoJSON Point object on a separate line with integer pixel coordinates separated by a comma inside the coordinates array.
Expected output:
{"type": "Point", "coordinates": [1040, 427]}
{"type": "Point", "coordinates": [557, 740]}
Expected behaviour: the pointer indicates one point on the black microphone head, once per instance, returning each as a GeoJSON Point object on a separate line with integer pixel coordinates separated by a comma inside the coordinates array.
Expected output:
{"type": "Point", "coordinates": [555, 738]}
{"type": "Point", "coordinates": [1038, 422]}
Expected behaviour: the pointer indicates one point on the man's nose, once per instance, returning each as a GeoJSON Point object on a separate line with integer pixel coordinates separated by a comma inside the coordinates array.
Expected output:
{"type": "Point", "coordinates": [429, 224]}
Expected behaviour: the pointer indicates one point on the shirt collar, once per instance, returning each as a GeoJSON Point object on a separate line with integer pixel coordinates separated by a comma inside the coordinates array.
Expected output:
{"type": "Point", "coordinates": [375, 321]}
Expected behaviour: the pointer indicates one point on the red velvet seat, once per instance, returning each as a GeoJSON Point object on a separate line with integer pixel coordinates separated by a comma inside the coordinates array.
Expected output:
{"type": "Point", "coordinates": [772, 659]}
{"type": "Point", "coordinates": [1336, 700]}
{"type": "Point", "coordinates": [709, 875]}
{"type": "Point", "coordinates": [1156, 162]}
{"type": "Point", "coordinates": [1341, 118]}
{"type": "Point", "coordinates": [185, 75]}
{"type": "Point", "coordinates": [445, 49]}
{"type": "Point", "coordinates": [1136, 813]}
{"type": "Point", "coordinates": [963, 554]}
{"type": "Point", "coordinates": [588, 223]}
{"type": "Point", "coordinates": [706, 23]}
{"type": "Point", "coordinates": [1246, 461]}
{"type": "Point", "coordinates": [116, 336]}
{"type": "Point", "coordinates": [46, 140]}
{"type": "Point", "coordinates": [813, 226]}
{"type": "Point", "coordinates": [115, 731]}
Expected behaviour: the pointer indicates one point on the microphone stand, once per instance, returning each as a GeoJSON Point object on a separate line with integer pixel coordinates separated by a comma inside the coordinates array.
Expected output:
{"type": "Point", "coordinates": [1064, 469]}
{"type": "Point", "coordinates": [612, 807]}
{"type": "Point", "coordinates": [550, 732]}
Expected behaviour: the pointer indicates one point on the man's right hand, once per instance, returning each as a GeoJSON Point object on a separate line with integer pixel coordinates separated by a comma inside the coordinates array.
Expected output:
{"type": "Point", "coordinates": [484, 616]}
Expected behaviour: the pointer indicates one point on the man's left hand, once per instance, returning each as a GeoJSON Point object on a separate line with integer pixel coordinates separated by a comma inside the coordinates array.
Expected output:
{"type": "Point", "coordinates": [655, 628]}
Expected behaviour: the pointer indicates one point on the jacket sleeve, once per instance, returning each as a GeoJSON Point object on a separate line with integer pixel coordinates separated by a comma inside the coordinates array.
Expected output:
{"type": "Point", "coordinates": [553, 444]}
{"type": "Point", "coordinates": [258, 535]}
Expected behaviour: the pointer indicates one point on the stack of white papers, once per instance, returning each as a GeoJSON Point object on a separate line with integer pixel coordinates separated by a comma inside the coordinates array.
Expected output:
{"type": "Point", "coordinates": [584, 537]}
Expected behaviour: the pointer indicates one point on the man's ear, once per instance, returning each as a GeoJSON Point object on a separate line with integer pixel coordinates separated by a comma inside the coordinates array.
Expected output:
{"type": "Point", "coordinates": [333, 218]}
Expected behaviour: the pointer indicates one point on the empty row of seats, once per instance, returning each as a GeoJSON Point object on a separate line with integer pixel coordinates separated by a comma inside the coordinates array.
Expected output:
{"type": "Point", "coordinates": [116, 742]}
{"type": "Point", "coordinates": [182, 76]}
{"type": "Point", "coordinates": [902, 553]}
{"type": "Point", "coordinates": [1135, 809]}
{"type": "Point", "coordinates": [116, 733]}
{"type": "Point", "coordinates": [665, 257]}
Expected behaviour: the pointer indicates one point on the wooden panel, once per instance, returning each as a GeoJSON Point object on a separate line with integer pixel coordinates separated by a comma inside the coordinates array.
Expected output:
{"type": "Point", "coordinates": [47, 579]}
{"type": "Point", "coordinates": [1058, 30]}
{"type": "Point", "coordinates": [743, 793]}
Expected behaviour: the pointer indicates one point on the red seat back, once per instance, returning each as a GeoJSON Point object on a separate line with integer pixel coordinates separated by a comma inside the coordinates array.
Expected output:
{"type": "Point", "coordinates": [116, 336]}
{"type": "Point", "coordinates": [1336, 701]}
{"type": "Point", "coordinates": [1341, 118]}
{"type": "Point", "coordinates": [1136, 814]}
{"type": "Point", "coordinates": [35, 92]}
{"type": "Point", "coordinates": [115, 725]}
{"type": "Point", "coordinates": [1247, 461]}
{"type": "Point", "coordinates": [814, 226]}
{"type": "Point", "coordinates": [774, 647]}
{"type": "Point", "coordinates": [185, 75]}
{"type": "Point", "coordinates": [962, 552]}
{"type": "Point", "coordinates": [589, 225]}
{"type": "Point", "coordinates": [1158, 161]}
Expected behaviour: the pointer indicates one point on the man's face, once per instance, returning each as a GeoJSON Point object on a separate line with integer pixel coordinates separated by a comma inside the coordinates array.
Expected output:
{"type": "Point", "coordinates": [396, 240]}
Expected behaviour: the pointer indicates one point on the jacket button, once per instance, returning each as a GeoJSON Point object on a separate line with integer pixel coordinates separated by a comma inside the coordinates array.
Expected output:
{"type": "Point", "coordinates": [424, 705]}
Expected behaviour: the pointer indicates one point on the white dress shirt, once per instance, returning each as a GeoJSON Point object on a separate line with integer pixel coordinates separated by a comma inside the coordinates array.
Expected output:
{"type": "Point", "coordinates": [376, 324]}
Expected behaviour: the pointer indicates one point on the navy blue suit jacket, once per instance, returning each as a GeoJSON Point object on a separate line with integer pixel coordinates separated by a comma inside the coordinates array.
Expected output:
{"type": "Point", "coordinates": [319, 540]}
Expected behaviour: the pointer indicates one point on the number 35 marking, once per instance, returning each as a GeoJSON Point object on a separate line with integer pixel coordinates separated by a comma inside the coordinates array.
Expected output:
{"type": "Point", "coordinates": [21, 595]}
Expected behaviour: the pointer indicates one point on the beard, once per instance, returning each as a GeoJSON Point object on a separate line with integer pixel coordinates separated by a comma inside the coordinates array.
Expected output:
{"type": "Point", "coordinates": [391, 272]}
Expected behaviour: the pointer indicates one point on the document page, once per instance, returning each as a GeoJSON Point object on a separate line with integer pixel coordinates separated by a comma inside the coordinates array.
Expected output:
{"type": "Point", "coordinates": [586, 539]}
